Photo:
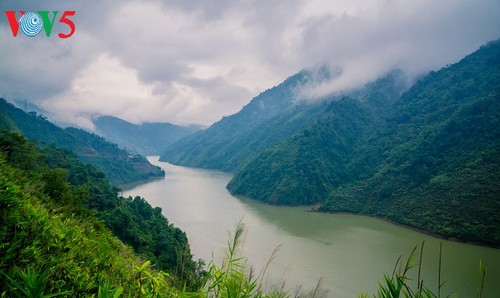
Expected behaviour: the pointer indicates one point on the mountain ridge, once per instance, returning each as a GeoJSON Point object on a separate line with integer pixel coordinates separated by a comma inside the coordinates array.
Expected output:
{"type": "Point", "coordinates": [120, 167]}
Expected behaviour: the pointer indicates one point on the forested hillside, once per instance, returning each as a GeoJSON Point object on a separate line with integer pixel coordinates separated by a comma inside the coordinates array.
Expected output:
{"type": "Point", "coordinates": [305, 167]}
{"type": "Point", "coordinates": [432, 161]}
{"type": "Point", "coordinates": [145, 139]}
{"type": "Point", "coordinates": [120, 167]}
{"type": "Point", "coordinates": [50, 204]}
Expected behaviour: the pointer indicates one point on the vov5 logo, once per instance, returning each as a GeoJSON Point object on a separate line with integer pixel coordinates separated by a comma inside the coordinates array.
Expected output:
{"type": "Point", "coordinates": [31, 23]}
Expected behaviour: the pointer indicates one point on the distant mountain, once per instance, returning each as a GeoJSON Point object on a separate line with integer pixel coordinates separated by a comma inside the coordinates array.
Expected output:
{"type": "Point", "coordinates": [120, 167]}
{"type": "Point", "coordinates": [146, 138]}
{"type": "Point", "coordinates": [432, 161]}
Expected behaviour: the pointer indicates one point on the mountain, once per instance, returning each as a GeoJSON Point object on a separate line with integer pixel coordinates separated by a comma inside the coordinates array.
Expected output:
{"type": "Point", "coordinates": [145, 139]}
{"type": "Point", "coordinates": [269, 118]}
{"type": "Point", "coordinates": [305, 167]}
{"type": "Point", "coordinates": [432, 162]}
{"type": "Point", "coordinates": [120, 167]}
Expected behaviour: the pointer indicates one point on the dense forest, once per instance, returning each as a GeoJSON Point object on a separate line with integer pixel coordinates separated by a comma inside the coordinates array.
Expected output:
{"type": "Point", "coordinates": [432, 161]}
{"type": "Point", "coordinates": [121, 168]}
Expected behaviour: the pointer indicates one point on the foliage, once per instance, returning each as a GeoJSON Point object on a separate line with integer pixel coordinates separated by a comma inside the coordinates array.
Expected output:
{"type": "Point", "coordinates": [120, 167]}
{"type": "Point", "coordinates": [144, 228]}
{"type": "Point", "coordinates": [68, 248]}
{"type": "Point", "coordinates": [231, 279]}
{"type": "Point", "coordinates": [33, 284]}
{"type": "Point", "coordinates": [46, 198]}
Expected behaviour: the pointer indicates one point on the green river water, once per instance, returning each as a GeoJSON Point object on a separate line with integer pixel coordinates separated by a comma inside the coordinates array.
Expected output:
{"type": "Point", "coordinates": [348, 253]}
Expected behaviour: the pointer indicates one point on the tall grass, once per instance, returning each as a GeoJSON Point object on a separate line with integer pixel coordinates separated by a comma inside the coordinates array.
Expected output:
{"type": "Point", "coordinates": [32, 284]}
{"type": "Point", "coordinates": [233, 279]}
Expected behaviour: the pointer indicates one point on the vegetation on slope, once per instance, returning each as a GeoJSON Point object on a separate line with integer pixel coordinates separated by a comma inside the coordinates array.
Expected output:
{"type": "Point", "coordinates": [437, 160]}
{"type": "Point", "coordinates": [304, 168]}
{"type": "Point", "coordinates": [431, 161]}
{"type": "Point", "coordinates": [120, 167]}
{"type": "Point", "coordinates": [52, 244]}
{"type": "Point", "coordinates": [43, 193]}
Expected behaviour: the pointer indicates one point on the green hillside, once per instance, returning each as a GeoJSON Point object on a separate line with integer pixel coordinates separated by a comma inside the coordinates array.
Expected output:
{"type": "Point", "coordinates": [120, 167]}
{"type": "Point", "coordinates": [56, 218]}
{"type": "Point", "coordinates": [431, 160]}
{"type": "Point", "coordinates": [304, 168]}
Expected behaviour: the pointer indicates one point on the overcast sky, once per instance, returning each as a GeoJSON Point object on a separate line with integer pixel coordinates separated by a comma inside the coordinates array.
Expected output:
{"type": "Point", "coordinates": [185, 61]}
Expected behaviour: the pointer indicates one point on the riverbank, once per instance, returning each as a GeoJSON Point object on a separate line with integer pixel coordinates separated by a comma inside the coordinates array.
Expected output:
{"type": "Point", "coordinates": [129, 186]}
{"type": "Point", "coordinates": [315, 208]}
{"type": "Point", "coordinates": [416, 229]}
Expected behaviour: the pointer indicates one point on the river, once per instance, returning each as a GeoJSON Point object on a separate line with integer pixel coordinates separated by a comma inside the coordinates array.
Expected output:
{"type": "Point", "coordinates": [348, 253]}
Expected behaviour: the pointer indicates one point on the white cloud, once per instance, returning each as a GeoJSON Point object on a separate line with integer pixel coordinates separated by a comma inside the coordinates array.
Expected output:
{"type": "Point", "coordinates": [108, 87]}
{"type": "Point", "coordinates": [104, 86]}
{"type": "Point", "coordinates": [416, 36]}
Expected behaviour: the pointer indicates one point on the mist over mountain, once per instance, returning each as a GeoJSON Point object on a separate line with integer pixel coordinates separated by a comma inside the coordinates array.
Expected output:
{"type": "Point", "coordinates": [269, 118]}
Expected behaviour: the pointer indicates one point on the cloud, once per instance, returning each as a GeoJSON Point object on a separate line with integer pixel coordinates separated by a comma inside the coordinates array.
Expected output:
{"type": "Point", "coordinates": [416, 36]}
{"type": "Point", "coordinates": [194, 62]}
{"type": "Point", "coordinates": [117, 90]}
{"type": "Point", "coordinates": [35, 70]}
